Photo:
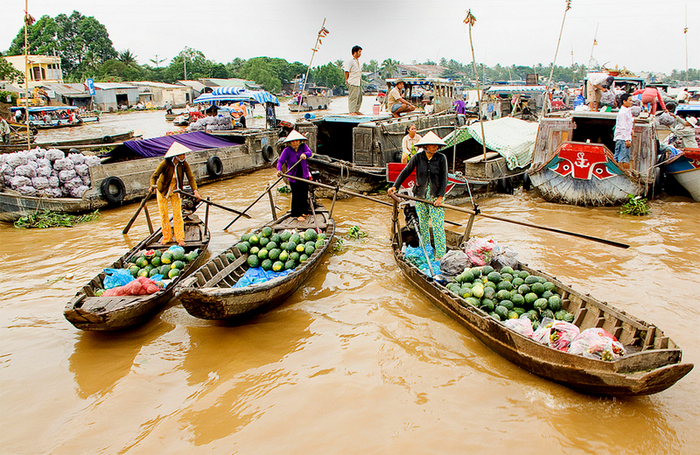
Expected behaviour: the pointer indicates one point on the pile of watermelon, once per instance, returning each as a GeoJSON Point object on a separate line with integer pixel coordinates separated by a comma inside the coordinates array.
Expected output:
{"type": "Point", "coordinates": [169, 263]}
{"type": "Point", "coordinates": [279, 251]}
{"type": "Point", "coordinates": [509, 294]}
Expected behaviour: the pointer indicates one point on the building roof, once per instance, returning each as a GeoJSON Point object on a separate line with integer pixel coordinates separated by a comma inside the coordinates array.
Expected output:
{"type": "Point", "coordinates": [193, 84]}
{"type": "Point", "coordinates": [233, 82]}
{"type": "Point", "coordinates": [112, 85]}
{"type": "Point", "coordinates": [4, 85]}
{"type": "Point", "coordinates": [68, 90]}
{"type": "Point", "coordinates": [157, 84]}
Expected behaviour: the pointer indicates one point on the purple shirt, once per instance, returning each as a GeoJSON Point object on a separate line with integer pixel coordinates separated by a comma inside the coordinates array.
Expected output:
{"type": "Point", "coordinates": [291, 156]}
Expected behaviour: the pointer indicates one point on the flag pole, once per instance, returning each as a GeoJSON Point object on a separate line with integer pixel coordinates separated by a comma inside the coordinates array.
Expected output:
{"type": "Point", "coordinates": [554, 62]}
{"type": "Point", "coordinates": [471, 20]}
{"type": "Point", "coordinates": [27, 20]}
{"type": "Point", "coordinates": [321, 34]}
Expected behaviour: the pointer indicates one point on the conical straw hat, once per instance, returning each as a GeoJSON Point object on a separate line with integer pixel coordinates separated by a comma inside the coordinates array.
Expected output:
{"type": "Point", "coordinates": [431, 138]}
{"type": "Point", "coordinates": [176, 149]}
{"type": "Point", "coordinates": [296, 136]}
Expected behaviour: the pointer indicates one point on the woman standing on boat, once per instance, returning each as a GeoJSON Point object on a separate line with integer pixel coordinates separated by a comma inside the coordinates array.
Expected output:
{"type": "Point", "coordinates": [167, 178]}
{"type": "Point", "coordinates": [295, 152]}
{"type": "Point", "coordinates": [431, 184]}
{"type": "Point", "coordinates": [408, 144]}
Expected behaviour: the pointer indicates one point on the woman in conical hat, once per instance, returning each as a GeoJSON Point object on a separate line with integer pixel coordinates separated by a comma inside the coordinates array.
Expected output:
{"type": "Point", "coordinates": [431, 184]}
{"type": "Point", "coordinates": [169, 176]}
{"type": "Point", "coordinates": [296, 151]}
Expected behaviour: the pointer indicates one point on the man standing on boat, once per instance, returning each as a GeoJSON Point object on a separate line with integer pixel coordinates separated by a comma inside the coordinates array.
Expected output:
{"type": "Point", "coordinates": [4, 130]}
{"type": "Point", "coordinates": [623, 132]}
{"type": "Point", "coordinates": [353, 77]}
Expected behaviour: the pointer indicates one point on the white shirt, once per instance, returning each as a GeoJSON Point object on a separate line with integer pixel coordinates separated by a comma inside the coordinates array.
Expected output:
{"type": "Point", "coordinates": [624, 124]}
{"type": "Point", "coordinates": [352, 67]}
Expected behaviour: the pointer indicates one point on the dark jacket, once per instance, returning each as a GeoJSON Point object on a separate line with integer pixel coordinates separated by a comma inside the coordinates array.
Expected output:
{"type": "Point", "coordinates": [163, 176]}
{"type": "Point", "coordinates": [435, 170]}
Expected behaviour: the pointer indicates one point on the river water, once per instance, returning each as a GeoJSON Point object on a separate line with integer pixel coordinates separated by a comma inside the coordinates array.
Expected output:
{"type": "Point", "coordinates": [357, 361]}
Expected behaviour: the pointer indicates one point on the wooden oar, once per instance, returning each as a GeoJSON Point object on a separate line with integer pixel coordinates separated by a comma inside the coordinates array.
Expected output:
{"type": "Point", "coordinates": [352, 193]}
{"type": "Point", "coordinates": [138, 210]}
{"type": "Point", "coordinates": [206, 201]}
{"type": "Point", "coordinates": [263, 194]}
{"type": "Point", "coordinates": [521, 223]}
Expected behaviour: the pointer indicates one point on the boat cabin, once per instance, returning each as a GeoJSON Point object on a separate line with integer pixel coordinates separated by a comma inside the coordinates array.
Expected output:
{"type": "Point", "coordinates": [523, 101]}
{"type": "Point", "coordinates": [419, 90]}
{"type": "Point", "coordinates": [313, 98]}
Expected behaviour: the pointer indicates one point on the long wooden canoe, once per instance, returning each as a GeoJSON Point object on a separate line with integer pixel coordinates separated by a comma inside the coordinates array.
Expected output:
{"type": "Point", "coordinates": [86, 311]}
{"type": "Point", "coordinates": [652, 362]}
{"type": "Point", "coordinates": [209, 292]}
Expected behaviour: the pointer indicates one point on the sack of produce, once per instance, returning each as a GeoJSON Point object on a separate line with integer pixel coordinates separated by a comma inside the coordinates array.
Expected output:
{"type": "Point", "coordinates": [454, 262]}
{"type": "Point", "coordinates": [54, 155]}
{"type": "Point", "coordinates": [76, 158]}
{"type": "Point", "coordinates": [481, 251]}
{"type": "Point", "coordinates": [19, 181]}
{"type": "Point", "coordinates": [66, 175]}
{"type": "Point", "coordinates": [82, 169]}
{"type": "Point", "coordinates": [92, 160]}
{"type": "Point", "coordinates": [16, 159]}
{"type": "Point", "coordinates": [522, 325]}
{"type": "Point", "coordinates": [507, 257]}
{"type": "Point", "coordinates": [63, 164]}
{"type": "Point", "coordinates": [25, 171]}
{"type": "Point", "coordinates": [53, 181]}
{"type": "Point", "coordinates": [78, 191]}
{"type": "Point", "coordinates": [30, 155]}
{"type": "Point", "coordinates": [596, 343]}
{"type": "Point", "coordinates": [138, 286]}
{"type": "Point", "coordinates": [556, 334]}
{"type": "Point", "coordinates": [40, 183]}
{"type": "Point", "coordinates": [666, 119]}
{"type": "Point", "coordinates": [27, 190]}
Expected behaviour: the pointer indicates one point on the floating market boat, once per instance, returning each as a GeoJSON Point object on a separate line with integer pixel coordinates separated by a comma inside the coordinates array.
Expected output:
{"type": "Point", "coordinates": [108, 140]}
{"type": "Point", "coordinates": [652, 362]}
{"type": "Point", "coordinates": [210, 293]}
{"type": "Point", "coordinates": [316, 99]}
{"type": "Point", "coordinates": [573, 162]}
{"type": "Point", "coordinates": [88, 311]}
{"type": "Point", "coordinates": [521, 101]}
{"type": "Point", "coordinates": [685, 168]}
{"type": "Point", "coordinates": [71, 116]}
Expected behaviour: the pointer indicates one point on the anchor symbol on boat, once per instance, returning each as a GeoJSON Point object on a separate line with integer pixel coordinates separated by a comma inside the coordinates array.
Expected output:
{"type": "Point", "coordinates": [581, 161]}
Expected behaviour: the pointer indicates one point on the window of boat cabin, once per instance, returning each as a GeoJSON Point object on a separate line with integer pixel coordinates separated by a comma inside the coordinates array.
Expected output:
{"type": "Point", "coordinates": [596, 130]}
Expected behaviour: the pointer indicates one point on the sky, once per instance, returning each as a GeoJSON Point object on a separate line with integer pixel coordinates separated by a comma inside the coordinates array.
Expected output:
{"type": "Point", "coordinates": [640, 35]}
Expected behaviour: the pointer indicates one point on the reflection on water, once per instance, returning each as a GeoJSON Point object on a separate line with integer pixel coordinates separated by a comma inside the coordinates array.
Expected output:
{"type": "Point", "coordinates": [355, 361]}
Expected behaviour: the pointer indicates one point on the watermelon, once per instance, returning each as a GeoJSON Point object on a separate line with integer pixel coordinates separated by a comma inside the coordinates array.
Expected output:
{"type": "Point", "coordinates": [478, 292]}
{"type": "Point", "coordinates": [166, 258]}
{"type": "Point", "coordinates": [549, 286]}
{"type": "Point", "coordinates": [275, 238]}
{"type": "Point", "coordinates": [271, 245]}
{"type": "Point", "coordinates": [254, 250]}
{"type": "Point", "coordinates": [263, 241]}
{"type": "Point", "coordinates": [485, 270]}
{"type": "Point", "coordinates": [503, 295]}
{"type": "Point", "coordinates": [508, 304]}
{"type": "Point", "coordinates": [473, 301]}
{"type": "Point", "coordinates": [537, 288]}
{"type": "Point", "coordinates": [285, 236]}
{"type": "Point", "coordinates": [554, 303]}
{"type": "Point", "coordinates": [142, 272]}
{"type": "Point", "coordinates": [513, 315]}
{"type": "Point", "coordinates": [158, 253]}
{"type": "Point", "coordinates": [134, 270]}
{"type": "Point", "coordinates": [517, 299]}
{"type": "Point", "coordinates": [284, 256]}
{"type": "Point", "coordinates": [274, 254]}
{"type": "Point", "coordinates": [277, 266]}
{"type": "Point", "coordinates": [322, 236]}
{"type": "Point", "coordinates": [310, 234]}
{"type": "Point", "coordinates": [141, 262]}
{"type": "Point", "coordinates": [488, 305]}
{"type": "Point", "coordinates": [173, 273]}
{"type": "Point", "coordinates": [495, 316]}
{"type": "Point", "coordinates": [254, 239]}
{"type": "Point", "coordinates": [177, 265]}
{"type": "Point", "coordinates": [230, 257]}
{"type": "Point", "coordinates": [517, 282]}
{"type": "Point", "coordinates": [507, 269]}
{"type": "Point", "coordinates": [295, 238]}
{"type": "Point", "coordinates": [294, 256]}
{"type": "Point", "coordinates": [155, 262]}
{"type": "Point", "coordinates": [246, 237]}
{"type": "Point", "coordinates": [309, 250]}
{"type": "Point", "coordinates": [179, 255]}
{"type": "Point", "coordinates": [153, 272]}
{"type": "Point", "coordinates": [165, 269]}
{"type": "Point", "coordinates": [504, 285]}
{"type": "Point", "coordinates": [289, 265]}
{"type": "Point", "coordinates": [494, 277]}
{"type": "Point", "coordinates": [530, 298]}
{"type": "Point", "coordinates": [266, 231]}
{"type": "Point", "coordinates": [253, 261]}
{"type": "Point", "coordinates": [489, 293]}
{"type": "Point", "coordinates": [300, 248]}
{"type": "Point", "coordinates": [266, 264]}
{"type": "Point", "coordinates": [523, 274]}
{"type": "Point", "coordinates": [319, 243]}
{"type": "Point", "coordinates": [303, 258]}
{"type": "Point", "coordinates": [501, 311]}
{"type": "Point", "coordinates": [191, 256]}
{"type": "Point", "coordinates": [540, 304]}
{"type": "Point", "coordinates": [291, 246]}
{"type": "Point", "coordinates": [506, 277]}
{"type": "Point", "coordinates": [531, 279]}
{"type": "Point", "coordinates": [262, 254]}
{"type": "Point", "coordinates": [569, 317]}
{"type": "Point", "coordinates": [524, 289]}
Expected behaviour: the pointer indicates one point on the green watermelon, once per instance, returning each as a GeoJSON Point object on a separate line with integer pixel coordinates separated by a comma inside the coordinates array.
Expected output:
{"type": "Point", "coordinates": [303, 258]}
{"type": "Point", "coordinates": [173, 273]}
{"type": "Point", "coordinates": [275, 238]}
{"type": "Point", "coordinates": [262, 254]}
{"type": "Point", "coordinates": [284, 256]}
{"type": "Point", "coordinates": [253, 261]}
{"type": "Point", "coordinates": [507, 269]}
{"type": "Point", "coordinates": [495, 316]}
{"type": "Point", "coordinates": [291, 246]}
{"type": "Point", "coordinates": [289, 265]}
{"type": "Point", "coordinates": [153, 272]}
{"type": "Point", "coordinates": [537, 288]}
{"type": "Point", "coordinates": [503, 295]}
{"type": "Point", "coordinates": [488, 305]}
{"type": "Point", "coordinates": [508, 304]}
{"type": "Point", "coordinates": [319, 243]}
{"type": "Point", "coordinates": [322, 236]}
{"type": "Point", "coordinates": [473, 301]}
{"type": "Point", "coordinates": [501, 311]}
{"type": "Point", "coordinates": [506, 277]}
{"type": "Point", "coordinates": [531, 279]}
{"type": "Point", "coordinates": [271, 245]}
{"type": "Point", "coordinates": [165, 269]}
{"type": "Point", "coordinates": [179, 254]}
{"type": "Point", "coordinates": [485, 270]}
{"type": "Point", "coordinates": [142, 272]}
{"type": "Point", "coordinates": [294, 256]}
{"type": "Point", "coordinates": [263, 241]}
{"type": "Point", "coordinates": [530, 298]}
{"type": "Point", "coordinates": [554, 303]}
{"type": "Point", "coordinates": [300, 248]}
{"type": "Point", "coordinates": [155, 262]}
{"type": "Point", "coordinates": [540, 304]}
{"type": "Point", "coordinates": [274, 254]}
{"type": "Point", "coordinates": [254, 239]}
{"type": "Point", "coordinates": [246, 237]}
{"type": "Point", "coordinates": [310, 234]}
{"type": "Point", "coordinates": [266, 264]}
{"type": "Point", "coordinates": [494, 277]}
{"type": "Point", "coordinates": [134, 270]}
{"type": "Point", "coordinates": [309, 250]}
{"type": "Point", "coordinates": [507, 285]}
{"type": "Point", "coordinates": [277, 266]}
{"type": "Point", "coordinates": [177, 265]}
{"type": "Point", "coordinates": [141, 262]}
{"type": "Point", "coordinates": [295, 238]}
{"type": "Point", "coordinates": [517, 282]}
{"type": "Point", "coordinates": [266, 231]}
{"type": "Point", "coordinates": [285, 236]}
{"type": "Point", "coordinates": [166, 258]}
{"type": "Point", "coordinates": [230, 257]}
{"type": "Point", "coordinates": [254, 250]}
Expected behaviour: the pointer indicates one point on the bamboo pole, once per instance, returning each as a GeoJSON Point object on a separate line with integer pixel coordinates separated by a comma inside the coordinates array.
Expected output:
{"type": "Point", "coordinates": [554, 62]}
{"type": "Point", "coordinates": [470, 20]}
{"type": "Point", "coordinates": [313, 54]}
{"type": "Point", "coordinates": [26, 73]}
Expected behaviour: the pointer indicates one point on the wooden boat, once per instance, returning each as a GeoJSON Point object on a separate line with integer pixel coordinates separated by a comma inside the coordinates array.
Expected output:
{"type": "Point", "coordinates": [124, 175]}
{"type": "Point", "coordinates": [316, 99]}
{"type": "Point", "coordinates": [652, 362]}
{"type": "Point", "coordinates": [70, 120]}
{"type": "Point", "coordinates": [685, 168]}
{"type": "Point", "coordinates": [86, 311]}
{"type": "Point", "coordinates": [108, 140]}
{"type": "Point", "coordinates": [573, 162]}
{"type": "Point", "coordinates": [209, 292]}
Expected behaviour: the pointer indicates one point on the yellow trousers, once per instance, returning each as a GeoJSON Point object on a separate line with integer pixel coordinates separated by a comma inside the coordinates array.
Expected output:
{"type": "Point", "coordinates": [178, 223]}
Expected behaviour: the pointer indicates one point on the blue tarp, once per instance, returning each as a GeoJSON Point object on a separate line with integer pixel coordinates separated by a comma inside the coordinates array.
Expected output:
{"type": "Point", "coordinates": [158, 146]}
{"type": "Point", "coordinates": [256, 275]}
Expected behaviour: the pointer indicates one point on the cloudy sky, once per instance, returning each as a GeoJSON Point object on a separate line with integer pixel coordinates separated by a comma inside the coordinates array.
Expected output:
{"type": "Point", "coordinates": [636, 34]}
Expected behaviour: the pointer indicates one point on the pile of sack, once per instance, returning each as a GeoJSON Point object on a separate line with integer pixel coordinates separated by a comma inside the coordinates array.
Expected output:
{"type": "Point", "coordinates": [47, 173]}
{"type": "Point", "coordinates": [212, 124]}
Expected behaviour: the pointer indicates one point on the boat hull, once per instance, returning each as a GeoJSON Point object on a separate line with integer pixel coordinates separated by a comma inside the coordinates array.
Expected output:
{"type": "Point", "coordinates": [219, 301]}
{"type": "Point", "coordinates": [89, 312]}
{"type": "Point", "coordinates": [685, 168]}
{"type": "Point", "coordinates": [651, 365]}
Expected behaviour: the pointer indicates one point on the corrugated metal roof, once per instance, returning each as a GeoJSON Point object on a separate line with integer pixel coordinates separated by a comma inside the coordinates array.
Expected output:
{"type": "Point", "coordinates": [112, 85]}
{"type": "Point", "coordinates": [68, 89]}
{"type": "Point", "coordinates": [512, 138]}
{"type": "Point", "coordinates": [157, 84]}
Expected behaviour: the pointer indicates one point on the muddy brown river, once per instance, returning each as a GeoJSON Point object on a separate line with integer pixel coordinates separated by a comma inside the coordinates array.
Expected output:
{"type": "Point", "coordinates": [356, 361]}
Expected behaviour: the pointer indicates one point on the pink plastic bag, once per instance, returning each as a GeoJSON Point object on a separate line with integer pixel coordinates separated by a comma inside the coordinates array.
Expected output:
{"type": "Point", "coordinates": [140, 286]}
{"type": "Point", "coordinates": [481, 251]}
{"type": "Point", "coordinates": [597, 344]}
{"type": "Point", "coordinates": [522, 325]}
{"type": "Point", "coordinates": [556, 334]}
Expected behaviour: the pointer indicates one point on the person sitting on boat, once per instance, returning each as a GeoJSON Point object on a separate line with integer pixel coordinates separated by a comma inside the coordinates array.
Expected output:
{"type": "Point", "coordinates": [167, 178]}
{"type": "Point", "coordinates": [297, 152]}
{"type": "Point", "coordinates": [624, 127]}
{"type": "Point", "coordinates": [408, 144]}
{"type": "Point", "coordinates": [431, 184]}
{"type": "Point", "coordinates": [239, 113]}
{"type": "Point", "coordinates": [396, 103]}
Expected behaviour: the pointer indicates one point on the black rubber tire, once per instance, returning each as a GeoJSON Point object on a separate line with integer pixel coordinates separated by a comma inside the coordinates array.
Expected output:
{"type": "Point", "coordinates": [267, 153]}
{"type": "Point", "coordinates": [215, 167]}
{"type": "Point", "coordinates": [113, 190]}
{"type": "Point", "coordinates": [527, 183]}
{"type": "Point", "coordinates": [107, 139]}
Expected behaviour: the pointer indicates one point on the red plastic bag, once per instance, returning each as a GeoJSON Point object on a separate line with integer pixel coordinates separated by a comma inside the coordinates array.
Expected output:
{"type": "Point", "coordinates": [140, 286]}
{"type": "Point", "coordinates": [556, 334]}
{"type": "Point", "coordinates": [596, 343]}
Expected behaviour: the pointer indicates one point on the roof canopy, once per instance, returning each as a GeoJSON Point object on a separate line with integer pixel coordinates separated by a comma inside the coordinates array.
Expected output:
{"type": "Point", "coordinates": [45, 108]}
{"type": "Point", "coordinates": [237, 94]}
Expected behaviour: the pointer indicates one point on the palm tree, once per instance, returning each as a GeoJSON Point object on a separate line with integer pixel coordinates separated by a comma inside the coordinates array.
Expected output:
{"type": "Point", "coordinates": [389, 68]}
{"type": "Point", "coordinates": [127, 58]}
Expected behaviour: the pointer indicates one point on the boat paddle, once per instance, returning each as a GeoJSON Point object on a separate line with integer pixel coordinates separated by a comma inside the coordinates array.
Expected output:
{"type": "Point", "coordinates": [214, 204]}
{"type": "Point", "coordinates": [521, 223]}
{"type": "Point", "coordinates": [263, 194]}
{"type": "Point", "coordinates": [133, 218]}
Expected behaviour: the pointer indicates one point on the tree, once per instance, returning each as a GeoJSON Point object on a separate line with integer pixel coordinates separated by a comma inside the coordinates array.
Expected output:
{"type": "Point", "coordinates": [389, 68]}
{"type": "Point", "coordinates": [371, 67]}
{"type": "Point", "coordinates": [328, 76]}
{"type": "Point", "coordinates": [10, 73]}
{"type": "Point", "coordinates": [127, 58]}
{"type": "Point", "coordinates": [194, 61]}
{"type": "Point", "coordinates": [82, 42]}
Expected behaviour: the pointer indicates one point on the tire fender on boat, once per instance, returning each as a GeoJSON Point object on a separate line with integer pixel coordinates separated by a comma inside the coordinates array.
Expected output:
{"type": "Point", "coordinates": [267, 153]}
{"type": "Point", "coordinates": [107, 139]}
{"type": "Point", "coordinates": [215, 167]}
{"type": "Point", "coordinates": [113, 190]}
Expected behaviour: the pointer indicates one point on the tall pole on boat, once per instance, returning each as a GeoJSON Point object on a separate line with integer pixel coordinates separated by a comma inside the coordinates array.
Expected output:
{"type": "Point", "coordinates": [595, 43]}
{"type": "Point", "coordinates": [28, 20]}
{"type": "Point", "coordinates": [554, 62]}
{"type": "Point", "coordinates": [321, 34]}
{"type": "Point", "coordinates": [685, 32]}
{"type": "Point", "coordinates": [471, 20]}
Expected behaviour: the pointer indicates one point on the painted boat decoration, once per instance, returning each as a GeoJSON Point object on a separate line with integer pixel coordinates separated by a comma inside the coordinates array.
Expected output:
{"type": "Point", "coordinates": [685, 168]}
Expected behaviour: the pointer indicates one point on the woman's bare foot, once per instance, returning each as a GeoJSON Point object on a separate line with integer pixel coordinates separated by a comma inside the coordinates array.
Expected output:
{"type": "Point", "coordinates": [300, 218]}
